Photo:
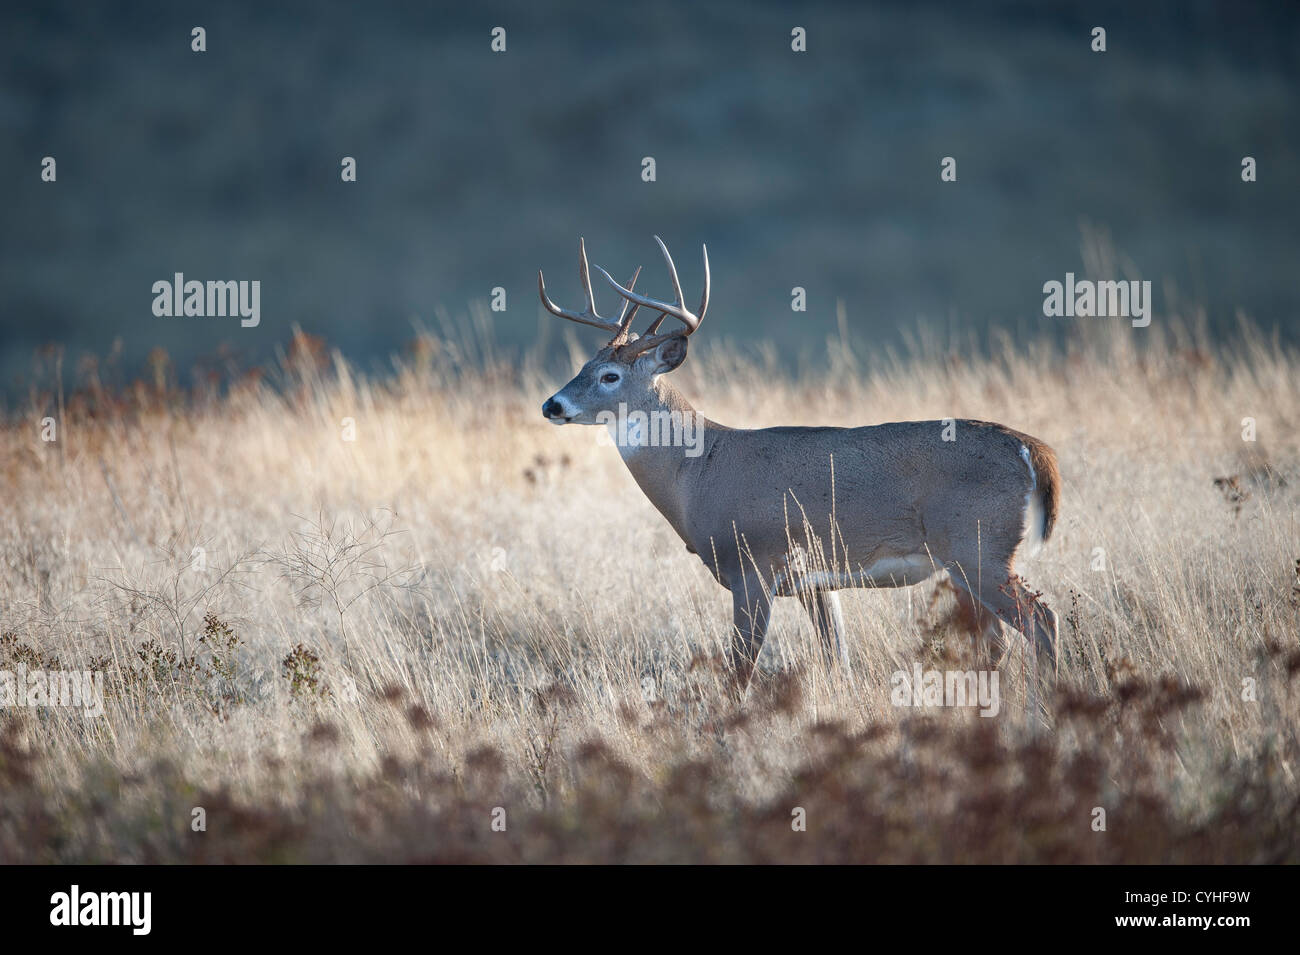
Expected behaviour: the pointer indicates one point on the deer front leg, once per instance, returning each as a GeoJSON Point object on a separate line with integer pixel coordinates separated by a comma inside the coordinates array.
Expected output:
{"type": "Point", "coordinates": [751, 611]}
{"type": "Point", "coordinates": [823, 608]}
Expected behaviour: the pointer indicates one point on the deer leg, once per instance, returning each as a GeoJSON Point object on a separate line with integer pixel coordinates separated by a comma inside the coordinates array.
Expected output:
{"type": "Point", "coordinates": [823, 608]}
{"type": "Point", "coordinates": [1042, 627]}
{"type": "Point", "coordinates": [1013, 603]}
{"type": "Point", "coordinates": [983, 623]}
{"type": "Point", "coordinates": [751, 612]}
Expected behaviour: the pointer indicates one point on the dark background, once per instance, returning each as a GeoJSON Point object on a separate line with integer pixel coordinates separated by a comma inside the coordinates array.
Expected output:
{"type": "Point", "coordinates": [818, 169]}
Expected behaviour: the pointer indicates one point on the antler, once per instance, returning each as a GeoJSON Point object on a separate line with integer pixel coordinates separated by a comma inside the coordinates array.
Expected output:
{"type": "Point", "coordinates": [590, 316]}
{"type": "Point", "coordinates": [677, 309]}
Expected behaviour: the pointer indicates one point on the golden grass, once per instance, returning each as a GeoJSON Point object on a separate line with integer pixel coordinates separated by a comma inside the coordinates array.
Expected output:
{"type": "Point", "coordinates": [465, 608]}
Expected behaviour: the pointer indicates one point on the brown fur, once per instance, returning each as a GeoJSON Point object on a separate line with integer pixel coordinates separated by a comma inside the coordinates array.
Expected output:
{"type": "Point", "coordinates": [1048, 472]}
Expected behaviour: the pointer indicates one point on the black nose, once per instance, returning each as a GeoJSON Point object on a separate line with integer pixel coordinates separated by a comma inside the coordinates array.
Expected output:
{"type": "Point", "coordinates": [551, 409]}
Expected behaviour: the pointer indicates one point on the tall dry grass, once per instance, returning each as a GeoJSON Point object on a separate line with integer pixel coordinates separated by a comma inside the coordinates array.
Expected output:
{"type": "Point", "coordinates": [359, 649]}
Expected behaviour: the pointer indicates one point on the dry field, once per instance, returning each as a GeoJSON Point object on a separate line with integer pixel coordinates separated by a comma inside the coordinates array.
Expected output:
{"type": "Point", "coordinates": [372, 649]}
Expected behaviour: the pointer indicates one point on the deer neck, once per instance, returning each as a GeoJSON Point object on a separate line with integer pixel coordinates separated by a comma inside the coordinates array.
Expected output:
{"type": "Point", "coordinates": [662, 443]}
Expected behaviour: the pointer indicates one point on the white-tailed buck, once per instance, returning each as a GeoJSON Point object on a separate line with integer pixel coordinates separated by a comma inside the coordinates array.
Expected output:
{"type": "Point", "coordinates": [804, 512]}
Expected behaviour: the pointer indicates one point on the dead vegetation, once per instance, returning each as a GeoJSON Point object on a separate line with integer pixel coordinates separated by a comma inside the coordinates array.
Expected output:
{"type": "Point", "coordinates": [482, 644]}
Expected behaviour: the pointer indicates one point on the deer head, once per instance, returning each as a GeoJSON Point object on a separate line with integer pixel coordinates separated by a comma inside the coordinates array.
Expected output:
{"type": "Point", "coordinates": [626, 369]}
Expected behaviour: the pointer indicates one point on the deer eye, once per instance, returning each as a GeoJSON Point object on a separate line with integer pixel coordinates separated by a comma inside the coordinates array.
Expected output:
{"type": "Point", "coordinates": [609, 377]}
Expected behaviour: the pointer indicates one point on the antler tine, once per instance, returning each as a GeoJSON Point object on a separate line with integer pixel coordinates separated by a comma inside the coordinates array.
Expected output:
{"type": "Point", "coordinates": [672, 272]}
{"type": "Point", "coordinates": [590, 316]}
{"type": "Point", "coordinates": [708, 283]}
{"type": "Point", "coordinates": [676, 309]}
{"type": "Point", "coordinates": [625, 317]}
{"type": "Point", "coordinates": [704, 299]}
{"type": "Point", "coordinates": [584, 276]}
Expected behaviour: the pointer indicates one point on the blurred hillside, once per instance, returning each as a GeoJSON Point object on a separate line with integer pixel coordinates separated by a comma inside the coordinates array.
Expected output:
{"type": "Point", "coordinates": [475, 168]}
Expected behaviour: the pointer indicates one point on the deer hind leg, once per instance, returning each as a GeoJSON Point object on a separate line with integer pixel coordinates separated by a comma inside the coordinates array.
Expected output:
{"type": "Point", "coordinates": [982, 622]}
{"type": "Point", "coordinates": [751, 613]}
{"type": "Point", "coordinates": [1013, 603]}
{"type": "Point", "coordinates": [1038, 622]}
{"type": "Point", "coordinates": [823, 607]}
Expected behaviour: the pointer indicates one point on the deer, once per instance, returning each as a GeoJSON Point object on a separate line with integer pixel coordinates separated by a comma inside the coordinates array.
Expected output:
{"type": "Point", "coordinates": [805, 512]}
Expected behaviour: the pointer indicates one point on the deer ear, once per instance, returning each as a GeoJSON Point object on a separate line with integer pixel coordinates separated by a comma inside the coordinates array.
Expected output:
{"type": "Point", "coordinates": [670, 354]}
